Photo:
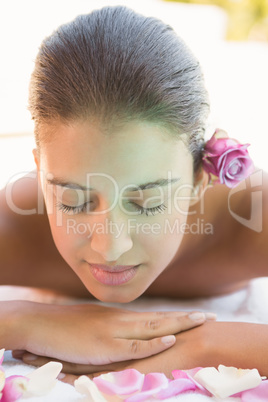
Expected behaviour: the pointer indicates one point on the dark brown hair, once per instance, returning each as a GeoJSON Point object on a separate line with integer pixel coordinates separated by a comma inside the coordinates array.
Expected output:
{"type": "Point", "coordinates": [115, 65]}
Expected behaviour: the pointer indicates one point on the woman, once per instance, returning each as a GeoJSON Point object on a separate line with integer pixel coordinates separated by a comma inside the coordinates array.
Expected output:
{"type": "Point", "coordinates": [120, 109]}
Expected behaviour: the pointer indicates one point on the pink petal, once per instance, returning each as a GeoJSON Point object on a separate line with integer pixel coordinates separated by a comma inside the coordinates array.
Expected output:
{"type": "Point", "coordinates": [2, 380]}
{"type": "Point", "coordinates": [153, 383]}
{"type": "Point", "coordinates": [178, 374]}
{"type": "Point", "coordinates": [87, 387]}
{"type": "Point", "coordinates": [191, 373]}
{"type": "Point", "coordinates": [124, 382]}
{"type": "Point", "coordinates": [176, 387]}
{"type": "Point", "coordinates": [258, 394]}
{"type": "Point", "coordinates": [14, 388]}
{"type": "Point", "coordinates": [217, 146]}
{"type": "Point", "coordinates": [226, 159]}
{"type": "Point", "coordinates": [241, 175]}
{"type": "Point", "coordinates": [227, 163]}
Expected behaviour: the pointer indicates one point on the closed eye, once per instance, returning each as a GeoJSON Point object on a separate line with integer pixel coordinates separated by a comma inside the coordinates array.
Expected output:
{"type": "Point", "coordinates": [150, 211]}
{"type": "Point", "coordinates": [74, 210]}
{"type": "Point", "coordinates": [67, 209]}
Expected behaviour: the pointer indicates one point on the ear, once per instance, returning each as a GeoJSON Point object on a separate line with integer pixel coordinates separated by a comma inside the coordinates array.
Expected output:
{"type": "Point", "coordinates": [201, 179]}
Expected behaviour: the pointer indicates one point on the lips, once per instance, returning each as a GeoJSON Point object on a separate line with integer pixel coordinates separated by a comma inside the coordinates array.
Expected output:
{"type": "Point", "coordinates": [114, 268]}
{"type": "Point", "coordinates": [113, 275]}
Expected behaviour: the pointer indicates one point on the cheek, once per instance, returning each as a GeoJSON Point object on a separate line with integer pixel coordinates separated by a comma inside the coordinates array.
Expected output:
{"type": "Point", "coordinates": [161, 239]}
{"type": "Point", "coordinates": [67, 232]}
{"type": "Point", "coordinates": [66, 237]}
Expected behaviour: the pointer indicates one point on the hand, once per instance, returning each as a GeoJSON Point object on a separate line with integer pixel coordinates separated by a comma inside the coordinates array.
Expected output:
{"type": "Point", "coordinates": [95, 335]}
{"type": "Point", "coordinates": [190, 350]}
{"type": "Point", "coordinates": [227, 343]}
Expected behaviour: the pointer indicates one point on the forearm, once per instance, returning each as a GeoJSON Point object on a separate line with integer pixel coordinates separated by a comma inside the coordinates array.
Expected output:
{"type": "Point", "coordinates": [12, 324]}
{"type": "Point", "coordinates": [242, 345]}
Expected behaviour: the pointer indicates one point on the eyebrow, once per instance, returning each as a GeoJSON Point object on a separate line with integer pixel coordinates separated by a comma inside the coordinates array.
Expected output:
{"type": "Point", "coordinates": [154, 184]}
{"type": "Point", "coordinates": [144, 186]}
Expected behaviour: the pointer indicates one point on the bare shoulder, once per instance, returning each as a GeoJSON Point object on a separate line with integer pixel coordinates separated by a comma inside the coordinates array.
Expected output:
{"type": "Point", "coordinates": [28, 256]}
{"type": "Point", "coordinates": [239, 215]}
{"type": "Point", "coordinates": [225, 244]}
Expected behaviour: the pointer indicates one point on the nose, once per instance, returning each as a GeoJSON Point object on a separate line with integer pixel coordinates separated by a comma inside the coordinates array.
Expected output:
{"type": "Point", "coordinates": [111, 237]}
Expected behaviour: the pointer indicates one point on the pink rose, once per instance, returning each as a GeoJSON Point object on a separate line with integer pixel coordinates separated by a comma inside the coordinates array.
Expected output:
{"type": "Point", "coordinates": [226, 160]}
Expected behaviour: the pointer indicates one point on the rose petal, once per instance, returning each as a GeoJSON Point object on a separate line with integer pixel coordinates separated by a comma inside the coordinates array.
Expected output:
{"type": "Point", "coordinates": [87, 387]}
{"type": "Point", "coordinates": [153, 383]}
{"type": "Point", "coordinates": [226, 159]}
{"type": "Point", "coordinates": [2, 379]}
{"type": "Point", "coordinates": [190, 375]}
{"type": "Point", "coordinates": [124, 382]}
{"type": "Point", "coordinates": [216, 146]}
{"type": "Point", "coordinates": [258, 394]}
{"type": "Point", "coordinates": [227, 381]}
{"type": "Point", "coordinates": [43, 379]}
{"type": "Point", "coordinates": [14, 388]}
{"type": "Point", "coordinates": [178, 374]}
{"type": "Point", "coordinates": [245, 171]}
{"type": "Point", "coordinates": [176, 387]}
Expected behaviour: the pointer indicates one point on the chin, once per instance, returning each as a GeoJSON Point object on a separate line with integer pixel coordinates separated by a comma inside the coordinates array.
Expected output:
{"type": "Point", "coordinates": [116, 296]}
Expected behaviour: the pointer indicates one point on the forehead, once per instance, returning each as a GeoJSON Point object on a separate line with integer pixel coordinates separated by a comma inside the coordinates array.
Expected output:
{"type": "Point", "coordinates": [135, 152]}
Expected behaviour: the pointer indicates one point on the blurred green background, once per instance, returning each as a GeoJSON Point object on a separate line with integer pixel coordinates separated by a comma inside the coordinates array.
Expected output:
{"type": "Point", "coordinates": [248, 19]}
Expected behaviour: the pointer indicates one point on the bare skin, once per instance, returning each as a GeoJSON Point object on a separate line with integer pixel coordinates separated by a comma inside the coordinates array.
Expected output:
{"type": "Point", "coordinates": [203, 265]}
{"type": "Point", "coordinates": [199, 279]}
{"type": "Point", "coordinates": [37, 262]}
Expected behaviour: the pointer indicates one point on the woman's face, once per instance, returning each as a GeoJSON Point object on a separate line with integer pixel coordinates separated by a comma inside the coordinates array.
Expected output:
{"type": "Point", "coordinates": [95, 199]}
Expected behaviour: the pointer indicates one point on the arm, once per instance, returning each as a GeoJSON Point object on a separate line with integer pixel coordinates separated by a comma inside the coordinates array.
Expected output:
{"type": "Point", "coordinates": [241, 345]}
{"type": "Point", "coordinates": [89, 333]}
{"type": "Point", "coordinates": [10, 334]}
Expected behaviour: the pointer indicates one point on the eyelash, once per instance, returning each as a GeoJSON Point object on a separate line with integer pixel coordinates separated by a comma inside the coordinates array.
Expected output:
{"type": "Point", "coordinates": [83, 208]}
{"type": "Point", "coordinates": [150, 211]}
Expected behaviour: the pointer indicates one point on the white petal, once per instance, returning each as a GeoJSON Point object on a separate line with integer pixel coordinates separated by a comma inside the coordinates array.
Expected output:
{"type": "Point", "coordinates": [86, 386]}
{"type": "Point", "coordinates": [43, 379]}
{"type": "Point", "coordinates": [2, 380]}
{"type": "Point", "coordinates": [228, 380]}
{"type": "Point", "coordinates": [2, 351]}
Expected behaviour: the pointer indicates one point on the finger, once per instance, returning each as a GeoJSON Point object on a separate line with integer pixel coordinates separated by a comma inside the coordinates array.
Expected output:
{"type": "Point", "coordinates": [133, 316]}
{"type": "Point", "coordinates": [17, 354]}
{"type": "Point", "coordinates": [129, 349]}
{"type": "Point", "coordinates": [35, 360]}
{"type": "Point", "coordinates": [162, 324]}
{"type": "Point", "coordinates": [69, 378]}
{"type": "Point", "coordinates": [69, 368]}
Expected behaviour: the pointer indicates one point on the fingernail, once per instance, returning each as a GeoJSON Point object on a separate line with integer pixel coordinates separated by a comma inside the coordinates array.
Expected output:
{"type": "Point", "coordinates": [197, 316]}
{"type": "Point", "coordinates": [29, 356]}
{"type": "Point", "coordinates": [168, 340]}
{"type": "Point", "coordinates": [61, 376]}
{"type": "Point", "coordinates": [211, 316]}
